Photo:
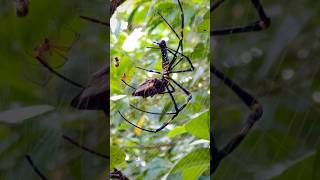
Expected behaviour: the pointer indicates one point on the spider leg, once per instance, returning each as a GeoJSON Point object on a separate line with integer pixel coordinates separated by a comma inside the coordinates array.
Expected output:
{"type": "Point", "coordinates": [248, 99]}
{"type": "Point", "coordinates": [84, 148]}
{"type": "Point", "coordinates": [181, 33]}
{"type": "Point", "coordinates": [175, 115]}
{"type": "Point", "coordinates": [157, 113]}
{"type": "Point", "coordinates": [148, 70]}
{"type": "Point", "coordinates": [183, 89]}
{"type": "Point", "coordinates": [182, 22]}
{"type": "Point", "coordinates": [175, 56]}
{"type": "Point", "coordinates": [62, 56]}
{"type": "Point", "coordinates": [184, 57]}
{"type": "Point", "coordinates": [128, 84]}
{"type": "Point", "coordinates": [216, 5]}
{"type": "Point", "coordinates": [168, 122]}
{"type": "Point", "coordinates": [75, 39]}
{"type": "Point", "coordinates": [172, 91]}
{"type": "Point", "coordinates": [94, 20]}
{"type": "Point", "coordinates": [254, 116]}
{"type": "Point", "coordinates": [35, 168]}
{"type": "Point", "coordinates": [148, 130]}
{"type": "Point", "coordinates": [169, 26]}
{"type": "Point", "coordinates": [182, 26]}
{"type": "Point", "coordinates": [259, 25]}
{"type": "Point", "coordinates": [173, 52]}
{"type": "Point", "coordinates": [58, 74]}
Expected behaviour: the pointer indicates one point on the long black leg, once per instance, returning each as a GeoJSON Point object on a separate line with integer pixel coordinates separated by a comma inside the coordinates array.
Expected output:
{"type": "Point", "coordinates": [216, 5]}
{"type": "Point", "coordinates": [62, 56]}
{"type": "Point", "coordinates": [94, 20]}
{"type": "Point", "coordinates": [148, 130]}
{"type": "Point", "coordinates": [177, 112]}
{"type": "Point", "coordinates": [58, 74]}
{"type": "Point", "coordinates": [172, 90]}
{"type": "Point", "coordinates": [182, 88]}
{"type": "Point", "coordinates": [84, 148]}
{"type": "Point", "coordinates": [181, 34]}
{"type": "Point", "coordinates": [182, 26]}
{"type": "Point", "coordinates": [254, 116]}
{"type": "Point", "coordinates": [35, 168]}
{"type": "Point", "coordinates": [128, 84]}
{"type": "Point", "coordinates": [175, 56]}
{"type": "Point", "coordinates": [183, 57]}
{"type": "Point", "coordinates": [248, 99]}
{"type": "Point", "coordinates": [158, 113]}
{"type": "Point", "coordinates": [173, 52]}
{"type": "Point", "coordinates": [259, 25]}
{"type": "Point", "coordinates": [174, 114]}
{"type": "Point", "coordinates": [148, 70]}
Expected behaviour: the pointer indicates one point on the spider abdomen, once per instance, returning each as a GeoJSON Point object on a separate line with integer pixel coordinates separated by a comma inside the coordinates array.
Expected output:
{"type": "Point", "coordinates": [150, 87]}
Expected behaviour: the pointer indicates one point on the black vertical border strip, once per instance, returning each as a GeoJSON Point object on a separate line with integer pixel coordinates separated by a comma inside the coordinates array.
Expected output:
{"type": "Point", "coordinates": [107, 111]}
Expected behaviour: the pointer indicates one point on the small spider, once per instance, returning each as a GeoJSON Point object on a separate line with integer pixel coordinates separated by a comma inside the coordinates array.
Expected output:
{"type": "Point", "coordinates": [164, 84]}
{"type": "Point", "coordinates": [47, 48]}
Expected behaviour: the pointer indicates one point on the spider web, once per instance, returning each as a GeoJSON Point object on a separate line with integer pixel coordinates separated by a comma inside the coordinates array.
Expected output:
{"type": "Point", "coordinates": [276, 67]}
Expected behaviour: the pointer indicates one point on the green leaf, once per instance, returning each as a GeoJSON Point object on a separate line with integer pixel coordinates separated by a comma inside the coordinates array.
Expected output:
{"type": "Point", "coordinates": [199, 126]}
{"type": "Point", "coordinates": [193, 164]}
{"type": "Point", "coordinates": [198, 51]}
{"type": "Point", "coordinates": [204, 26]}
{"type": "Point", "coordinates": [117, 156]}
{"type": "Point", "coordinates": [307, 167]}
{"type": "Point", "coordinates": [194, 172]}
{"type": "Point", "coordinates": [176, 131]}
{"type": "Point", "coordinates": [18, 115]}
{"type": "Point", "coordinates": [165, 7]}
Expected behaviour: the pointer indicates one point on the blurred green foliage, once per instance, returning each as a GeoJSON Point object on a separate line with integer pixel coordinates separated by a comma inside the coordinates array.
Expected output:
{"type": "Point", "coordinates": [280, 66]}
{"type": "Point", "coordinates": [45, 112]}
{"type": "Point", "coordinates": [181, 150]}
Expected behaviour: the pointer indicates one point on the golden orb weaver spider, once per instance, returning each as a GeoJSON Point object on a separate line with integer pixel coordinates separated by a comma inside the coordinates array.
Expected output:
{"type": "Point", "coordinates": [162, 85]}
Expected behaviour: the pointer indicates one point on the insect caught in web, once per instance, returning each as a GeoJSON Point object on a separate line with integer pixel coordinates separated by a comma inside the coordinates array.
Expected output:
{"type": "Point", "coordinates": [164, 84]}
{"type": "Point", "coordinates": [251, 102]}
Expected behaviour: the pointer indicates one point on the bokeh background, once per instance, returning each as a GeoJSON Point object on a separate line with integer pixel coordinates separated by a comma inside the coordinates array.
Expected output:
{"type": "Point", "coordinates": [45, 111]}
{"type": "Point", "coordinates": [180, 151]}
{"type": "Point", "coordinates": [280, 66]}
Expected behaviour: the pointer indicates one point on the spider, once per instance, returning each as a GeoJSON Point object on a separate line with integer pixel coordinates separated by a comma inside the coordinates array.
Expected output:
{"type": "Point", "coordinates": [44, 50]}
{"type": "Point", "coordinates": [251, 102]}
{"type": "Point", "coordinates": [163, 85]}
